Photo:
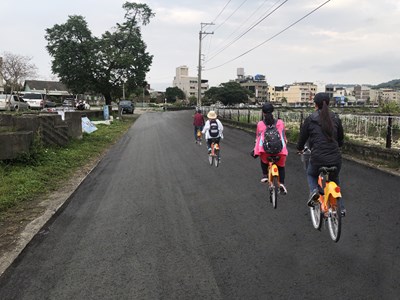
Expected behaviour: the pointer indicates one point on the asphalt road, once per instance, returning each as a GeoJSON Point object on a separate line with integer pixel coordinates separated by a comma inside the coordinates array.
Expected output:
{"type": "Point", "coordinates": [154, 221]}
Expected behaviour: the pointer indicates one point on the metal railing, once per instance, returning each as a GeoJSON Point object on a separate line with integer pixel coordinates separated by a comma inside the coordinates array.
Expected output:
{"type": "Point", "coordinates": [376, 130]}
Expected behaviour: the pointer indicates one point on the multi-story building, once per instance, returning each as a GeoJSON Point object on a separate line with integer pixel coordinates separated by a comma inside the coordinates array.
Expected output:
{"type": "Point", "coordinates": [189, 85]}
{"type": "Point", "coordinates": [257, 84]}
{"type": "Point", "coordinates": [361, 92]}
{"type": "Point", "coordinates": [296, 93]}
{"type": "Point", "coordinates": [384, 94]}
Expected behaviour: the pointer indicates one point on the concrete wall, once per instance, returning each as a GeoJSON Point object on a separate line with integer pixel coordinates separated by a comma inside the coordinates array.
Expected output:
{"type": "Point", "coordinates": [17, 132]}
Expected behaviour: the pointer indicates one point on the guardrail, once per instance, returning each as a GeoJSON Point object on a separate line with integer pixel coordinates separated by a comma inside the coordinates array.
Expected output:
{"type": "Point", "coordinates": [375, 130]}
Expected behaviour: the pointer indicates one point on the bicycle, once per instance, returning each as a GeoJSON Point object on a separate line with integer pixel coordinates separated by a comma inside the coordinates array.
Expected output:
{"type": "Point", "coordinates": [328, 207]}
{"type": "Point", "coordinates": [273, 180]}
{"type": "Point", "coordinates": [214, 155]}
{"type": "Point", "coordinates": [198, 136]}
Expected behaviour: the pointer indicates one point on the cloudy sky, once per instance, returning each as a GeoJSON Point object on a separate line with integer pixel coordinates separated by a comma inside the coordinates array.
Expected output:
{"type": "Point", "coordinates": [336, 41]}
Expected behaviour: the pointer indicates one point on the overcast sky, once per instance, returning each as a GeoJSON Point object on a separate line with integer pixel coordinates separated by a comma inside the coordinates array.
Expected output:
{"type": "Point", "coordinates": [344, 41]}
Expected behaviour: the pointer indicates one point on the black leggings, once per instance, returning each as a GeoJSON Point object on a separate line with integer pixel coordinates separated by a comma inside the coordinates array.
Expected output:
{"type": "Point", "coordinates": [264, 168]}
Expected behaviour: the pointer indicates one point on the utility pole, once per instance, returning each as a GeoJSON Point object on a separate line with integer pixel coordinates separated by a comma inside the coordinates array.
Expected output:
{"type": "Point", "coordinates": [202, 25]}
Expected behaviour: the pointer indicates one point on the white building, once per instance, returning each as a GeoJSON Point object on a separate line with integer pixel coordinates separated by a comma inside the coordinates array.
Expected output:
{"type": "Point", "coordinates": [188, 84]}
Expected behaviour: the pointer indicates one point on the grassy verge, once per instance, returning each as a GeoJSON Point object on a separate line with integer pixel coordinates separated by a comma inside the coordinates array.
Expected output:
{"type": "Point", "coordinates": [45, 170]}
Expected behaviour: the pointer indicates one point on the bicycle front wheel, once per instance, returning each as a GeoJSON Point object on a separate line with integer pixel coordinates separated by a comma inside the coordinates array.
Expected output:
{"type": "Point", "coordinates": [335, 220]}
{"type": "Point", "coordinates": [316, 216]}
{"type": "Point", "coordinates": [273, 192]}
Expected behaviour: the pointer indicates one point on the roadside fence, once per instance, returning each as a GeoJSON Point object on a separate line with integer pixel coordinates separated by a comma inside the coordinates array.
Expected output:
{"type": "Point", "coordinates": [377, 130]}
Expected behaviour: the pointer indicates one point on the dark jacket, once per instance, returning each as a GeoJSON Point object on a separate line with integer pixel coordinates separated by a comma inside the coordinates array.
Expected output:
{"type": "Point", "coordinates": [323, 151]}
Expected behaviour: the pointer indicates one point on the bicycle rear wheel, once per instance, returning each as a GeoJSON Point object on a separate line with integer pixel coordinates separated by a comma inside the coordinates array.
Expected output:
{"type": "Point", "coordinates": [216, 158]}
{"type": "Point", "coordinates": [211, 159]}
{"type": "Point", "coordinates": [316, 216]}
{"type": "Point", "coordinates": [335, 220]}
{"type": "Point", "coordinates": [273, 192]}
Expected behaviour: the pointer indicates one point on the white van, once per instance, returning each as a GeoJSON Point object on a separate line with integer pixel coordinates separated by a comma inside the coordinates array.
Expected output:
{"type": "Point", "coordinates": [35, 100]}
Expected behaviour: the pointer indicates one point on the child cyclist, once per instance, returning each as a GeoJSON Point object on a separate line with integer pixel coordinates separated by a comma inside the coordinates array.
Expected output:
{"type": "Point", "coordinates": [213, 129]}
{"type": "Point", "coordinates": [268, 120]}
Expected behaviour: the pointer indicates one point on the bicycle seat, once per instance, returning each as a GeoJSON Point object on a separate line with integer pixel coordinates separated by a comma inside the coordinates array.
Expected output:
{"type": "Point", "coordinates": [274, 158]}
{"type": "Point", "coordinates": [327, 170]}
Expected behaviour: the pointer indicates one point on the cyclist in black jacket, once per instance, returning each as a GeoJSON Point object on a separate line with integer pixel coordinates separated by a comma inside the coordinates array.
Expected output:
{"type": "Point", "coordinates": [323, 132]}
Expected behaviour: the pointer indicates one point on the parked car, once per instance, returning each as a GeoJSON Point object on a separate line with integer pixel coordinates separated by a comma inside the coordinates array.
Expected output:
{"type": "Point", "coordinates": [126, 106]}
{"type": "Point", "coordinates": [12, 102]}
{"type": "Point", "coordinates": [50, 104]}
{"type": "Point", "coordinates": [35, 100]}
{"type": "Point", "coordinates": [69, 102]}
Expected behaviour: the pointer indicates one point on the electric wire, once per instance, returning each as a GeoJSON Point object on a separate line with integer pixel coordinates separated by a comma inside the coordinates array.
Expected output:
{"type": "Point", "coordinates": [247, 31]}
{"type": "Point", "coordinates": [272, 37]}
{"type": "Point", "coordinates": [221, 11]}
{"type": "Point", "coordinates": [230, 15]}
{"type": "Point", "coordinates": [239, 27]}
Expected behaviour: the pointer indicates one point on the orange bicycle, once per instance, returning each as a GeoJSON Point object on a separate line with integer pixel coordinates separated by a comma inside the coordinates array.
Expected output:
{"type": "Point", "coordinates": [198, 136]}
{"type": "Point", "coordinates": [214, 155]}
{"type": "Point", "coordinates": [273, 180]}
{"type": "Point", "coordinates": [328, 206]}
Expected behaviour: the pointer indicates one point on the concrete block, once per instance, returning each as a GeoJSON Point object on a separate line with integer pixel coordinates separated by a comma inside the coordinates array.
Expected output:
{"type": "Point", "coordinates": [13, 144]}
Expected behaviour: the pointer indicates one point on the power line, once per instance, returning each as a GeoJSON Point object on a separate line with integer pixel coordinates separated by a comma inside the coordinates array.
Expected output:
{"type": "Point", "coordinates": [247, 31]}
{"type": "Point", "coordinates": [230, 15]}
{"type": "Point", "coordinates": [221, 11]}
{"type": "Point", "coordinates": [275, 35]}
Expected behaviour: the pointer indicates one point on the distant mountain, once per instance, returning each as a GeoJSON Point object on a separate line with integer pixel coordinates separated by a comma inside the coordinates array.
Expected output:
{"type": "Point", "coordinates": [392, 84]}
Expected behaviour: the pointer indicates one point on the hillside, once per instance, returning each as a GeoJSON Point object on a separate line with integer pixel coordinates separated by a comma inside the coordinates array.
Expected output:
{"type": "Point", "coordinates": [393, 84]}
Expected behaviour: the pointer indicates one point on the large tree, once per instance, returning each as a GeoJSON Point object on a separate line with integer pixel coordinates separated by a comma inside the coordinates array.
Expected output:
{"type": "Point", "coordinates": [174, 93]}
{"type": "Point", "coordinates": [90, 64]}
{"type": "Point", "coordinates": [228, 93]}
{"type": "Point", "coordinates": [15, 69]}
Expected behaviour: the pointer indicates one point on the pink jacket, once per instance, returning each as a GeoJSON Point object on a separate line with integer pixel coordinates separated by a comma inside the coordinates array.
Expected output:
{"type": "Point", "coordinates": [261, 127]}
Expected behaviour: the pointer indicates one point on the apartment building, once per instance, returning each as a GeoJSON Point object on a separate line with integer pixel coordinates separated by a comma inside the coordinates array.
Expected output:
{"type": "Point", "coordinates": [188, 84]}
{"type": "Point", "coordinates": [296, 93]}
{"type": "Point", "coordinates": [257, 84]}
{"type": "Point", "coordinates": [384, 94]}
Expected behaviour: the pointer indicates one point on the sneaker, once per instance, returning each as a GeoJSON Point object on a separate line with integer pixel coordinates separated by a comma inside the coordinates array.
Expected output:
{"type": "Point", "coordinates": [313, 198]}
{"type": "Point", "coordinates": [282, 189]}
{"type": "Point", "coordinates": [264, 179]}
{"type": "Point", "coordinates": [343, 212]}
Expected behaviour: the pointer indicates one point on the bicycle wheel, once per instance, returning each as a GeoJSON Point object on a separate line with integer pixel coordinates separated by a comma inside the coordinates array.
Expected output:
{"type": "Point", "coordinates": [316, 216]}
{"type": "Point", "coordinates": [273, 192]}
{"type": "Point", "coordinates": [335, 220]}
{"type": "Point", "coordinates": [210, 159]}
{"type": "Point", "coordinates": [216, 158]}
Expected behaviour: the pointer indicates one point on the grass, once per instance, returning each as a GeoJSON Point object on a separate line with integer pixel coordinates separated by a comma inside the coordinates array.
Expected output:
{"type": "Point", "coordinates": [47, 168]}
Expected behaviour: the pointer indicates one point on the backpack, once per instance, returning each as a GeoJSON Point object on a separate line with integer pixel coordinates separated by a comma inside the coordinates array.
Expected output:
{"type": "Point", "coordinates": [214, 130]}
{"type": "Point", "coordinates": [272, 140]}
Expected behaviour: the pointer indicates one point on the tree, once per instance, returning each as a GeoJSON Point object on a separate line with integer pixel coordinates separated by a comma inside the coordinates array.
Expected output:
{"type": "Point", "coordinates": [174, 93]}
{"type": "Point", "coordinates": [228, 93]}
{"type": "Point", "coordinates": [15, 69]}
{"type": "Point", "coordinates": [101, 65]}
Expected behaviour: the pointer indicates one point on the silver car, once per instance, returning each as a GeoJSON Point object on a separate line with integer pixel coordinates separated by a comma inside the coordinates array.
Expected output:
{"type": "Point", "coordinates": [12, 102]}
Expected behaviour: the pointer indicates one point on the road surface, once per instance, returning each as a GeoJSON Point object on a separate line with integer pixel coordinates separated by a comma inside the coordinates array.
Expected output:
{"type": "Point", "coordinates": [154, 221]}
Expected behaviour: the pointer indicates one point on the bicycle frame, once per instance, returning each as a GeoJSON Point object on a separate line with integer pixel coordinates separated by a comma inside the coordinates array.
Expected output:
{"type": "Point", "coordinates": [273, 180]}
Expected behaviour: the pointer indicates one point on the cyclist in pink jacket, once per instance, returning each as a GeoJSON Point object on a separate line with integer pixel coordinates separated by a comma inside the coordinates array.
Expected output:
{"type": "Point", "coordinates": [268, 120]}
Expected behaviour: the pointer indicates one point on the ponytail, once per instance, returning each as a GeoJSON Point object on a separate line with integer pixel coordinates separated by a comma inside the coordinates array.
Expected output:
{"type": "Point", "coordinates": [268, 119]}
{"type": "Point", "coordinates": [326, 121]}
